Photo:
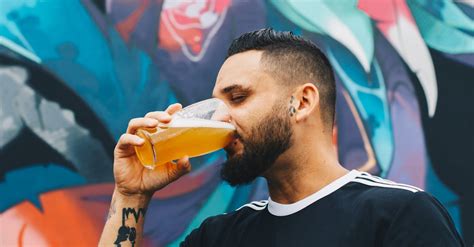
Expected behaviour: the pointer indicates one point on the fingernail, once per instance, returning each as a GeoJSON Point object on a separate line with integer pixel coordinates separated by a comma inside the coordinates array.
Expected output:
{"type": "Point", "coordinates": [152, 122]}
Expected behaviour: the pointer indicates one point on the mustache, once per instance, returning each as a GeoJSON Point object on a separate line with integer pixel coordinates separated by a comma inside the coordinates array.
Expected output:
{"type": "Point", "coordinates": [228, 149]}
{"type": "Point", "coordinates": [236, 135]}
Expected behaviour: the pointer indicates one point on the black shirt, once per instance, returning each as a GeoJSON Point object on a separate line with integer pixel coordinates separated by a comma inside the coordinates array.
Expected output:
{"type": "Point", "coordinates": [357, 209]}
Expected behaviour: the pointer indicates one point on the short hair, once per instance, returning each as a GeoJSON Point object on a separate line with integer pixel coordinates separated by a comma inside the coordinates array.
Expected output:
{"type": "Point", "coordinates": [292, 60]}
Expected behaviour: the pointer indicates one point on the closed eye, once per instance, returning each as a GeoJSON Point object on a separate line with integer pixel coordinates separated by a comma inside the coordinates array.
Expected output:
{"type": "Point", "coordinates": [238, 99]}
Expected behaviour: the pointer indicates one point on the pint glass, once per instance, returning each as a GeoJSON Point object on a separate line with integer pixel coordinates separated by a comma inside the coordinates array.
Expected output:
{"type": "Point", "coordinates": [195, 130]}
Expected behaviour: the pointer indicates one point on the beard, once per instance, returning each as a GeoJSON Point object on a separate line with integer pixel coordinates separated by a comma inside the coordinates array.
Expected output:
{"type": "Point", "coordinates": [267, 140]}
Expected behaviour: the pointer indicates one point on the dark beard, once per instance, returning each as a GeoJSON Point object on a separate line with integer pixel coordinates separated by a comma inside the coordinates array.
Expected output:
{"type": "Point", "coordinates": [266, 142]}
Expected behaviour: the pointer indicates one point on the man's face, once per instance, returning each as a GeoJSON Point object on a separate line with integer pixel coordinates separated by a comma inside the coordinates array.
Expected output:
{"type": "Point", "coordinates": [259, 110]}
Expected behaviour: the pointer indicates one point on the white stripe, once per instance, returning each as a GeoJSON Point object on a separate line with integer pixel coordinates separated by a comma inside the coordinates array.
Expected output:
{"type": "Point", "coordinates": [260, 203]}
{"type": "Point", "coordinates": [376, 179]}
{"type": "Point", "coordinates": [381, 180]}
{"type": "Point", "coordinates": [252, 206]}
{"type": "Point", "coordinates": [376, 184]}
{"type": "Point", "coordinates": [279, 209]}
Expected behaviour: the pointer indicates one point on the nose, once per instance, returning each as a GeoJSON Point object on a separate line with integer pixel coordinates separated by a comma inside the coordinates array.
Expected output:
{"type": "Point", "coordinates": [221, 113]}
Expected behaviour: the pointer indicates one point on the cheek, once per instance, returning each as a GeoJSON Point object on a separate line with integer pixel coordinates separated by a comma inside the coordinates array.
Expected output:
{"type": "Point", "coordinates": [247, 116]}
{"type": "Point", "coordinates": [244, 121]}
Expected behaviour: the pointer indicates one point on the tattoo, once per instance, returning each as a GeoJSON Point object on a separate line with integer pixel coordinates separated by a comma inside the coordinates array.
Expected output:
{"type": "Point", "coordinates": [136, 215]}
{"type": "Point", "coordinates": [123, 235]}
{"type": "Point", "coordinates": [111, 209]}
{"type": "Point", "coordinates": [126, 232]}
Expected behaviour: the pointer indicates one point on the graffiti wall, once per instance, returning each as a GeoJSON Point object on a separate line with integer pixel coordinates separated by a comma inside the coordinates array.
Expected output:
{"type": "Point", "coordinates": [72, 74]}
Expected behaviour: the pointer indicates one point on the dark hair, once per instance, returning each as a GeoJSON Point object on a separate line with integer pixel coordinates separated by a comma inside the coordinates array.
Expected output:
{"type": "Point", "coordinates": [293, 60]}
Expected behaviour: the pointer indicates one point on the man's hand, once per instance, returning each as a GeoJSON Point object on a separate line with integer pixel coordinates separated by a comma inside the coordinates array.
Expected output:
{"type": "Point", "coordinates": [135, 184]}
{"type": "Point", "coordinates": [131, 177]}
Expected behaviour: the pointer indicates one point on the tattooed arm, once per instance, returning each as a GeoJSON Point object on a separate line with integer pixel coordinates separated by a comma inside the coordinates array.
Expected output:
{"type": "Point", "coordinates": [124, 225]}
{"type": "Point", "coordinates": [135, 185]}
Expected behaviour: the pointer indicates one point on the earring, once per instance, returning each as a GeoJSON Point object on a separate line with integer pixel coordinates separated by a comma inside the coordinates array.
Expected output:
{"type": "Point", "coordinates": [292, 111]}
{"type": "Point", "coordinates": [292, 108]}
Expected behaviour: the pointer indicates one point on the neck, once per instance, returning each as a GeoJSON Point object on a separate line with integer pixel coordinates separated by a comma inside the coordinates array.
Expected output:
{"type": "Point", "coordinates": [297, 175]}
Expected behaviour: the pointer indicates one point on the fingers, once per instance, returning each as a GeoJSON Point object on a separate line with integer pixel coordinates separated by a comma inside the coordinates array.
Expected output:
{"type": "Point", "coordinates": [172, 109]}
{"type": "Point", "coordinates": [127, 140]}
{"type": "Point", "coordinates": [138, 123]}
{"type": "Point", "coordinates": [161, 116]}
{"type": "Point", "coordinates": [150, 121]}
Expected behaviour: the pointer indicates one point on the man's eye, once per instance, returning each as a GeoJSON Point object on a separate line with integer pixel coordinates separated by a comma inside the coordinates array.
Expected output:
{"type": "Point", "coordinates": [237, 99]}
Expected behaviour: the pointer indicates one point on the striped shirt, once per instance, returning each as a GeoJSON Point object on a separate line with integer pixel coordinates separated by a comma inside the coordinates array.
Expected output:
{"type": "Point", "coordinates": [357, 209]}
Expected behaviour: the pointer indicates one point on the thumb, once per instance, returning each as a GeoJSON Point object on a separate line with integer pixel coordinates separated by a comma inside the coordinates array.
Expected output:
{"type": "Point", "coordinates": [181, 167]}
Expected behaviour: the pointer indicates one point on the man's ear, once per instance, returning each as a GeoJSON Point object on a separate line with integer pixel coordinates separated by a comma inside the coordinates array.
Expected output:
{"type": "Point", "coordinates": [306, 101]}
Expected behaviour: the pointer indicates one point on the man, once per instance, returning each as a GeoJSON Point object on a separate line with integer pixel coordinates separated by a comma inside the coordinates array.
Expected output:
{"type": "Point", "coordinates": [280, 91]}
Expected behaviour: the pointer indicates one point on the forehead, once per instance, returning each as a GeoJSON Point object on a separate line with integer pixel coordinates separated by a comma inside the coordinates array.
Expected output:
{"type": "Point", "coordinates": [241, 69]}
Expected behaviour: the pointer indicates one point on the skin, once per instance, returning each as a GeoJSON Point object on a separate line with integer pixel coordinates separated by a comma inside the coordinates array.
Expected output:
{"type": "Point", "coordinates": [250, 92]}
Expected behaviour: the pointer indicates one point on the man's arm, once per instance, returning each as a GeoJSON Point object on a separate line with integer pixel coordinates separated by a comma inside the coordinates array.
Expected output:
{"type": "Point", "coordinates": [423, 221]}
{"type": "Point", "coordinates": [135, 184]}
{"type": "Point", "coordinates": [124, 225]}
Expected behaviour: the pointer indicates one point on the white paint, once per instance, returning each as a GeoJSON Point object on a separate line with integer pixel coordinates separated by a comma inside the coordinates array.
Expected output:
{"type": "Point", "coordinates": [208, 19]}
{"type": "Point", "coordinates": [343, 34]}
{"type": "Point", "coordinates": [408, 42]}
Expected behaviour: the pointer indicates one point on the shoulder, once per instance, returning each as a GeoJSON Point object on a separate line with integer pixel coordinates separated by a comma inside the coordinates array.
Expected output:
{"type": "Point", "coordinates": [243, 212]}
{"type": "Point", "coordinates": [382, 193]}
{"type": "Point", "coordinates": [408, 214]}
{"type": "Point", "coordinates": [369, 195]}
{"type": "Point", "coordinates": [214, 229]}
{"type": "Point", "coordinates": [384, 184]}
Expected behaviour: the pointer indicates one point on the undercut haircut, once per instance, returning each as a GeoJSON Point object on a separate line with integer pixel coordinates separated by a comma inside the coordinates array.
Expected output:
{"type": "Point", "coordinates": [292, 60]}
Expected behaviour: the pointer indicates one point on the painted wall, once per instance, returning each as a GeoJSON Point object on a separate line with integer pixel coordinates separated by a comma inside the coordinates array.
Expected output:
{"type": "Point", "coordinates": [72, 74]}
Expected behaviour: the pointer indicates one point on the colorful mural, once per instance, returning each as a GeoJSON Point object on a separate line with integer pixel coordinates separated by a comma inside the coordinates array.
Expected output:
{"type": "Point", "coordinates": [72, 74]}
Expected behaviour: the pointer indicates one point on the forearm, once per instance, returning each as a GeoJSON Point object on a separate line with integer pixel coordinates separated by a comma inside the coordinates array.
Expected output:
{"type": "Point", "coordinates": [124, 225]}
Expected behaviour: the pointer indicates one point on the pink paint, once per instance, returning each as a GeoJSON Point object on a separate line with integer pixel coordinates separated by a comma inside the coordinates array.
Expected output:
{"type": "Point", "coordinates": [386, 12]}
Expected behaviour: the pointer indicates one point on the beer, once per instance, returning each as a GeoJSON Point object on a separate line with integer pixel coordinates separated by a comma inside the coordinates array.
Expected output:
{"type": "Point", "coordinates": [191, 137]}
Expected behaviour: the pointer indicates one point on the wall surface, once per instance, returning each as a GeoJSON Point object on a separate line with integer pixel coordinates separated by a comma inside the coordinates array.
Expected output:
{"type": "Point", "coordinates": [72, 74]}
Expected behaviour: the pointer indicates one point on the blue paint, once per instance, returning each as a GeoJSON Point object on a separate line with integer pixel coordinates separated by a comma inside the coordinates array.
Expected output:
{"type": "Point", "coordinates": [368, 93]}
{"type": "Point", "coordinates": [28, 183]}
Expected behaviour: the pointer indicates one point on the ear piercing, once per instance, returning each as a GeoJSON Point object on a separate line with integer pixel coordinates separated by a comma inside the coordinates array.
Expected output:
{"type": "Point", "coordinates": [292, 111]}
{"type": "Point", "coordinates": [292, 108]}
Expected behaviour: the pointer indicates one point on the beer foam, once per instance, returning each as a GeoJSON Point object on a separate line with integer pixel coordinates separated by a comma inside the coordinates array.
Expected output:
{"type": "Point", "coordinates": [199, 123]}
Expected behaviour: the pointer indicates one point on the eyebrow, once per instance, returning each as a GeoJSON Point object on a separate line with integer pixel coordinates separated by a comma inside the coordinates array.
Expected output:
{"type": "Point", "coordinates": [232, 88]}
